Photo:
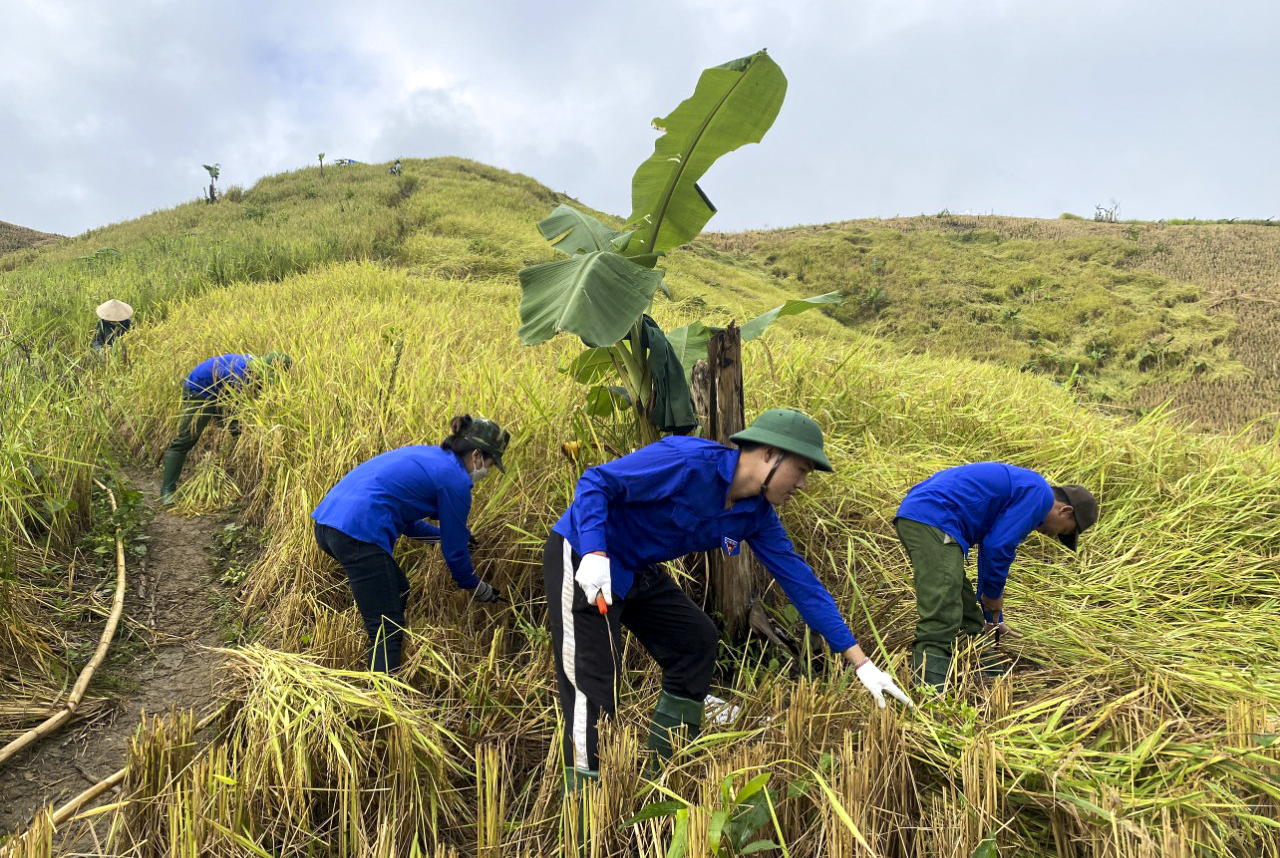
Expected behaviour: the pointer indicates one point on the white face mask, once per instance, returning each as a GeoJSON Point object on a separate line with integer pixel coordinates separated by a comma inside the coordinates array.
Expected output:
{"type": "Point", "coordinates": [481, 469]}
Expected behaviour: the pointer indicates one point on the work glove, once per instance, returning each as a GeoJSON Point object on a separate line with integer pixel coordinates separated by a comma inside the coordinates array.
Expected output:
{"type": "Point", "coordinates": [472, 543]}
{"type": "Point", "coordinates": [594, 578]}
{"type": "Point", "coordinates": [485, 592]}
{"type": "Point", "coordinates": [878, 682]}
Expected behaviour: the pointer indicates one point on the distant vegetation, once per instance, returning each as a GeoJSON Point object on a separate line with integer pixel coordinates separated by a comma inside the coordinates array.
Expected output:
{"type": "Point", "coordinates": [1131, 314]}
{"type": "Point", "coordinates": [14, 237]}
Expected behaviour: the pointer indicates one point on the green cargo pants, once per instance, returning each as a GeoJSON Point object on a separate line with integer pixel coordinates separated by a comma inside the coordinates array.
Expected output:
{"type": "Point", "coordinates": [195, 416]}
{"type": "Point", "coordinates": [945, 601]}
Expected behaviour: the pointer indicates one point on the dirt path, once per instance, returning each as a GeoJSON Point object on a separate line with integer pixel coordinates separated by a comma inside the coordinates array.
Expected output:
{"type": "Point", "coordinates": [171, 593]}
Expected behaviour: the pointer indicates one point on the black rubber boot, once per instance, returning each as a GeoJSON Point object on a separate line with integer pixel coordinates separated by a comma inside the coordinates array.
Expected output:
{"type": "Point", "coordinates": [673, 713]}
{"type": "Point", "coordinates": [173, 462]}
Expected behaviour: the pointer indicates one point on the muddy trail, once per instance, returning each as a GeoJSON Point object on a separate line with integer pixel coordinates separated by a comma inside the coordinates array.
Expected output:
{"type": "Point", "coordinates": [169, 625]}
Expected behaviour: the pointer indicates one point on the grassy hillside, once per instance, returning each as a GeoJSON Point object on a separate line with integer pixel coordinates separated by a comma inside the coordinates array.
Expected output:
{"type": "Point", "coordinates": [14, 237]}
{"type": "Point", "coordinates": [1140, 721]}
{"type": "Point", "coordinates": [1131, 314]}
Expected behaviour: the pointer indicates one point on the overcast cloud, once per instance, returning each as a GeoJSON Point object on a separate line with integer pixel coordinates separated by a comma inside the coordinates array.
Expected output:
{"type": "Point", "coordinates": [1170, 109]}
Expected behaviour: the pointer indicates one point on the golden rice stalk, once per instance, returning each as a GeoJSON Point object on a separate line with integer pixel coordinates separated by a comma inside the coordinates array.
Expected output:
{"type": "Point", "coordinates": [209, 490]}
{"type": "Point", "coordinates": [35, 842]}
{"type": "Point", "coordinates": [491, 800]}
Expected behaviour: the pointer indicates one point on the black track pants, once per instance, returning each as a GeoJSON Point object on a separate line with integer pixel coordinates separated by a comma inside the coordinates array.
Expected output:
{"type": "Point", "coordinates": [588, 646]}
{"type": "Point", "coordinates": [381, 590]}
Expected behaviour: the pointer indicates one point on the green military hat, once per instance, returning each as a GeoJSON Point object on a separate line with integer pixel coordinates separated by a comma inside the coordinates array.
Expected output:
{"type": "Point", "coordinates": [788, 430]}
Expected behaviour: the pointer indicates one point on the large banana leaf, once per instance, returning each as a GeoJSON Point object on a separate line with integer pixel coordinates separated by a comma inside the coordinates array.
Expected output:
{"type": "Point", "coordinates": [690, 344]}
{"type": "Point", "coordinates": [591, 366]}
{"type": "Point", "coordinates": [732, 105]}
{"type": "Point", "coordinates": [596, 295]}
{"type": "Point", "coordinates": [757, 326]}
{"type": "Point", "coordinates": [574, 232]}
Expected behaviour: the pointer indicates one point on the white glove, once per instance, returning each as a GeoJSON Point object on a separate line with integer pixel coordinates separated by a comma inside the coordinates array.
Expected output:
{"type": "Point", "coordinates": [594, 578]}
{"type": "Point", "coordinates": [878, 682]}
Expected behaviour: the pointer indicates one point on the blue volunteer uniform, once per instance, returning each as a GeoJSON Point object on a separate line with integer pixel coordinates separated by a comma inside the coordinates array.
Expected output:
{"type": "Point", "coordinates": [216, 375]}
{"type": "Point", "coordinates": [659, 503]}
{"type": "Point", "coordinates": [359, 521]}
{"type": "Point", "coordinates": [667, 500]}
{"type": "Point", "coordinates": [391, 493]}
{"type": "Point", "coordinates": [991, 505]}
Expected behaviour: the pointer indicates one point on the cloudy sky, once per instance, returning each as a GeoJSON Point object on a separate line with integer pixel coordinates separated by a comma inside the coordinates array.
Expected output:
{"type": "Point", "coordinates": [1168, 108]}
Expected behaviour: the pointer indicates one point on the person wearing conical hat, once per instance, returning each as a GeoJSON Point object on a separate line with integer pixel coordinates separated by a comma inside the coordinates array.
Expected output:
{"type": "Point", "coordinates": [114, 319]}
{"type": "Point", "coordinates": [205, 394]}
{"type": "Point", "coordinates": [362, 517]}
{"type": "Point", "coordinates": [673, 497]}
{"type": "Point", "coordinates": [995, 507]}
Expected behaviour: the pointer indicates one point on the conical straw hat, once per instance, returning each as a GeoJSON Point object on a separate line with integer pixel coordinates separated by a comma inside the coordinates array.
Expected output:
{"type": "Point", "coordinates": [114, 311]}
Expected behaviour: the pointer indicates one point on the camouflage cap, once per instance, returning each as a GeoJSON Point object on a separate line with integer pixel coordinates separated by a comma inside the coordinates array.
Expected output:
{"type": "Point", "coordinates": [488, 437]}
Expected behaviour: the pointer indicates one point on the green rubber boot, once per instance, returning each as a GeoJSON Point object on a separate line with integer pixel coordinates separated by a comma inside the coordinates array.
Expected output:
{"type": "Point", "coordinates": [173, 462]}
{"type": "Point", "coordinates": [576, 779]}
{"type": "Point", "coordinates": [673, 713]}
{"type": "Point", "coordinates": [575, 821]}
{"type": "Point", "coordinates": [929, 668]}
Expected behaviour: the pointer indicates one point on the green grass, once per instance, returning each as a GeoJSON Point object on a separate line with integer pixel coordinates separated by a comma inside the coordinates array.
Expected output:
{"type": "Point", "coordinates": [1077, 309]}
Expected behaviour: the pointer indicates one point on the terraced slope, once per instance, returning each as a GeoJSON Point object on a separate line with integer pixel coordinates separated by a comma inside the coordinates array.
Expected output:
{"type": "Point", "coordinates": [1131, 314]}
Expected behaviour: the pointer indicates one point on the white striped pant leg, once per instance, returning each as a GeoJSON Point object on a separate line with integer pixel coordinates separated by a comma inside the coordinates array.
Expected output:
{"type": "Point", "coordinates": [586, 648]}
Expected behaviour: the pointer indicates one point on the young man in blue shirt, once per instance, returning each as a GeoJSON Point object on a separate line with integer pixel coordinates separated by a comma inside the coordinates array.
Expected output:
{"type": "Point", "coordinates": [205, 391]}
{"type": "Point", "coordinates": [666, 500]}
{"type": "Point", "coordinates": [994, 507]}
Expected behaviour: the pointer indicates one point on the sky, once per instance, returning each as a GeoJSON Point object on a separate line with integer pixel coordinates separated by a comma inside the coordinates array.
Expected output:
{"type": "Point", "coordinates": [1165, 109]}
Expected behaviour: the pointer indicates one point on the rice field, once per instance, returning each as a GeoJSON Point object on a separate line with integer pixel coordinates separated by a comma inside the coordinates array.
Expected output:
{"type": "Point", "coordinates": [1140, 718]}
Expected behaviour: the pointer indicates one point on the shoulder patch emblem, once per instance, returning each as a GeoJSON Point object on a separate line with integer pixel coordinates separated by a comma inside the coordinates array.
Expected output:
{"type": "Point", "coordinates": [732, 547]}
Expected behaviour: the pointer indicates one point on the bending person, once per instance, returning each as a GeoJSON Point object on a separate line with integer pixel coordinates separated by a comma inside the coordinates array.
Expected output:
{"type": "Point", "coordinates": [205, 395]}
{"type": "Point", "coordinates": [360, 519]}
{"type": "Point", "coordinates": [671, 498]}
{"type": "Point", "coordinates": [994, 507]}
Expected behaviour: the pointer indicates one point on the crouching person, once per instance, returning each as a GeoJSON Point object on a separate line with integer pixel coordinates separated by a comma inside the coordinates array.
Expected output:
{"type": "Point", "coordinates": [206, 392]}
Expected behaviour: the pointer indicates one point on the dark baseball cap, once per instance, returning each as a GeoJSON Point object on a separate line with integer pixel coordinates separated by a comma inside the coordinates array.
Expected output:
{"type": "Point", "coordinates": [1085, 508]}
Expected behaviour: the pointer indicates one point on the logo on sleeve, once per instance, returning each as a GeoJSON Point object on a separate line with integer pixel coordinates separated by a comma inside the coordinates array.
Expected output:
{"type": "Point", "coordinates": [732, 547]}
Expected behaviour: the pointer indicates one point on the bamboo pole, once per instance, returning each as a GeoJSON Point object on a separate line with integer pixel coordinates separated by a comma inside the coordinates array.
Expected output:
{"type": "Point", "coordinates": [72, 807]}
{"type": "Point", "coordinates": [82, 683]}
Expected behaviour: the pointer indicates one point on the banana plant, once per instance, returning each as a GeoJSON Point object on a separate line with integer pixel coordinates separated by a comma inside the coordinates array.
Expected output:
{"type": "Point", "coordinates": [602, 291]}
{"type": "Point", "coordinates": [213, 171]}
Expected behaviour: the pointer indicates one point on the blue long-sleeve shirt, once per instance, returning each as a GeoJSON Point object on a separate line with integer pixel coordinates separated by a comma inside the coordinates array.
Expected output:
{"type": "Point", "coordinates": [391, 493]}
{"type": "Point", "coordinates": [990, 505]}
{"type": "Point", "coordinates": [667, 500]}
{"type": "Point", "coordinates": [217, 375]}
